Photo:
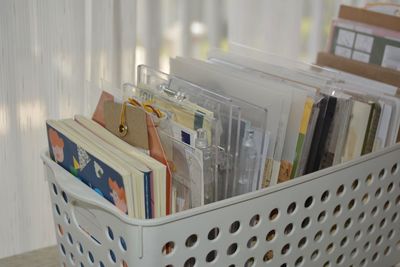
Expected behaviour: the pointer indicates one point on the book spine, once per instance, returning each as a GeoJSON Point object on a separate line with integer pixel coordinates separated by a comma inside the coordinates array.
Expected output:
{"type": "Point", "coordinates": [317, 135]}
{"type": "Point", "coordinates": [329, 116]}
{"type": "Point", "coordinates": [302, 134]}
{"type": "Point", "coordinates": [147, 195]}
{"type": "Point", "coordinates": [371, 129]}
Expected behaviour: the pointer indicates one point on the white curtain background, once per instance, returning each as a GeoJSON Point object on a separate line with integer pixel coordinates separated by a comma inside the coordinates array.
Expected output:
{"type": "Point", "coordinates": [49, 48]}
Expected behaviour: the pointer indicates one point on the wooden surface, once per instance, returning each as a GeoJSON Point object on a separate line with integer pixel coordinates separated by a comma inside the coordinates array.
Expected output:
{"type": "Point", "coordinates": [47, 257]}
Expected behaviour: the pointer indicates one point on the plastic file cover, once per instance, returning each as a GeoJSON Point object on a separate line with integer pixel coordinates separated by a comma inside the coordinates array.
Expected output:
{"type": "Point", "coordinates": [300, 91]}
{"type": "Point", "coordinates": [187, 173]}
{"type": "Point", "coordinates": [175, 95]}
{"type": "Point", "coordinates": [253, 117]}
{"type": "Point", "coordinates": [286, 68]}
{"type": "Point", "coordinates": [225, 112]}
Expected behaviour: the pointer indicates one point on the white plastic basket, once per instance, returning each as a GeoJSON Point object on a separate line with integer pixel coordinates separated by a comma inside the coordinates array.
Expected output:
{"type": "Point", "coordinates": [348, 215]}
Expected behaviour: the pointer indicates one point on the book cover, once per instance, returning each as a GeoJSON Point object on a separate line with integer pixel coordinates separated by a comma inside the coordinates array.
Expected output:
{"type": "Point", "coordinates": [103, 179]}
{"type": "Point", "coordinates": [357, 129]}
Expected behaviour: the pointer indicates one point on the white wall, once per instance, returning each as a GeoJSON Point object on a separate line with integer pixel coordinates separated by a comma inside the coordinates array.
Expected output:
{"type": "Point", "coordinates": [47, 49]}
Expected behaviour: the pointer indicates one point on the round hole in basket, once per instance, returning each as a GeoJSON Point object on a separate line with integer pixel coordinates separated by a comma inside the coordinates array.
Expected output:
{"type": "Point", "coordinates": [232, 249]}
{"type": "Point", "coordinates": [361, 217]}
{"type": "Point", "coordinates": [101, 264]}
{"type": "Point", "coordinates": [354, 185]}
{"type": "Point", "coordinates": [351, 204]}
{"type": "Point", "coordinates": [337, 210]}
{"type": "Point", "coordinates": [327, 264]}
{"type": "Point", "coordinates": [386, 251]}
{"type": "Point", "coordinates": [58, 210]}
{"type": "Point", "coordinates": [285, 249]}
{"type": "Point", "coordinates": [124, 264]}
{"type": "Point", "coordinates": [334, 229]}
{"type": "Point", "coordinates": [306, 222]}
{"type": "Point", "coordinates": [382, 224]}
{"type": "Point", "coordinates": [168, 248]}
{"type": "Point", "coordinates": [110, 233]}
{"type": "Point", "coordinates": [60, 230]}
{"type": "Point", "coordinates": [302, 243]}
{"type": "Point", "coordinates": [271, 235]}
{"type": "Point", "coordinates": [390, 187]}
{"type": "Point", "coordinates": [273, 215]}
{"type": "Point", "coordinates": [255, 220]}
{"type": "Point", "coordinates": [340, 190]}
{"type": "Point", "coordinates": [374, 211]}
{"type": "Point", "coordinates": [378, 240]}
{"type": "Point", "coordinates": [357, 235]}
{"type": "Point", "coordinates": [395, 216]}
{"type": "Point", "coordinates": [367, 246]}
{"type": "Point", "coordinates": [64, 195]}
{"type": "Point", "coordinates": [70, 240]}
{"type": "Point", "coordinates": [67, 218]}
{"type": "Point", "coordinates": [340, 259]}
{"type": "Point", "coordinates": [365, 198]}
{"type": "Point", "coordinates": [62, 249]}
{"type": "Point", "coordinates": [371, 229]}
{"type": "Point", "coordinates": [330, 248]}
{"type": "Point", "coordinates": [55, 189]}
{"type": "Point", "coordinates": [112, 257]}
{"type": "Point", "coordinates": [382, 174]}
{"type": "Point", "coordinates": [284, 265]}
{"type": "Point", "coordinates": [252, 242]}
{"type": "Point", "coordinates": [288, 229]}
{"type": "Point", "coordinates": [80, 248]}
{"type": "Point", "coordinates": [72, 258]}
{"type": "Point", "coordinates": [90, 257]}
{"type": "Point", "coordinates": [363, 262]}
{"type": "Point", "coordinates": [386, 206]}
{"type": "Point", "coordinates": [369, 179]}
{"type": "Point", "coordinates": [394, 168]}
{"type": "Point", "coordinates": [191, 241]}
{"type": "Point", "coordinates": [299, 261]}
{"type": "Point", "coordinates": [291, 208]}
{"type": "Point", "coordinates": [314, 255]}
{"type": "Point", "coordinates": [344, 241]}
{"type": "Point", "coordinates": [347, 223]}
{"type": "Point", "coordinates": [122, 244]}
{"type": "Point", "coordinates": [325, 196]}
{"type": "Point", "coordinates": [213, 233]}
{"type": "Point", "coordinates": [250, 262]}
{"type": "Point", "coordinates": [190, 262]}
{"type": "Point", "coordinates": [211, 256]}
{"type": "Point", "coordinates": [235, 226]}
{"type": "Point", "coordinates": [354, 253]}
{"type": "Point", "coordinates": [268, 256]}
{"type": "Point", "coordinates": [309, 201]}
{"type": "Point", "coordinates": [375, 257]}
{"type": "Point", "coordinates": [391, 234]}
{"type": "Point", "coordinates": [318, 236]}
{"type": "Point", "coordinates": [398, 200]}
{"type": "Point", "coordinates": [322, 216]}
{"type": "Point", "coordinates": [378, 192]}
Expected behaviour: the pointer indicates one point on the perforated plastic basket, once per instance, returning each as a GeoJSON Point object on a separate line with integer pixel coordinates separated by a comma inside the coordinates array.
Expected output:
{"type": "Point", "coordinates": [347, 215]}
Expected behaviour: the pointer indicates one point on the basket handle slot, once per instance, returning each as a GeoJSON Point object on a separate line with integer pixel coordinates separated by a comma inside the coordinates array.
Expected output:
{"type": "Point", "coordinates": [88, 223]}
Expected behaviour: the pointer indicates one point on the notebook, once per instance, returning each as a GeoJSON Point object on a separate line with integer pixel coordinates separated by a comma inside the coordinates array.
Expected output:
{"type": "Point", "coordinates": [158, 169]}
